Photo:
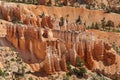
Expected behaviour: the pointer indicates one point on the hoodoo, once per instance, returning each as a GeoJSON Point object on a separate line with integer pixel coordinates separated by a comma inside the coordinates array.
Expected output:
{"type": "Point", "coordinates": [60, 40]}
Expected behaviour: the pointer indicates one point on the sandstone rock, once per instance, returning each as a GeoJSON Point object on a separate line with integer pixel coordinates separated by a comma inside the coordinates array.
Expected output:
{"type": "Point", "coordinates": [63, 63]}
{"type": "Point", "coordinates": [17, 12]}
{"type": "Point", "coordinates": [52, 54]}
{"type": "Point", "coordinates": [6, 12]}
{"type": "Point", "coordinates": [98, 50]}
{"type": "Point", "coordinates": [109, 58]}
{"type": "Point", "coordinates": [15, 42]}
{"type": "Point", "coordinates": [39, 22]}
{"type": "Point", "coordinates": [107, 46]}
{"type": "Point", "coordinates": [47, 65]}
{"type": "Point", "coordinates": [57, 63]}
{"type": "Point", "coordinates": [39, 50]}
{"type": "Point", "coordinates": [22, 44]}
{"type": "Point", "coordinates": [88, 55]}
{"type": "Point", "coordinates": [47, 22]}
{"type": "Point", "coordinates": [21, 38]}
{"type": "Point", "coordinates": [81, 51]}
{"type": "Point", "coordinates": [73, 55]}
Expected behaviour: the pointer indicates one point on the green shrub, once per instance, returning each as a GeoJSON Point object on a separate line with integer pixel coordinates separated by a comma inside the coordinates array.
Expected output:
{"type": "Point", "coordinates": [48, 3]}
{"type": "Point", "coordinates": [30, 78]}
{"type": "Point", "coordinates": [65, 77]}
{"type": "Point", "coordinates": [76, 71]}
{"type": "Point", "coordinates": [110, 24]}
{"type": "Point", "coordinates": [79, 21]}
{"type": "Point", "coordinates": [88, 27]}
{"type": "Point", "coordinates": [68, 66]}
{"type": "Point", "coordinates": [92, 26]}
{"type": "Point", "coordinates": [56, 2]}
{"type": "Point", "coordinates": [61, 23]}
{"type": "Point", "coordinates": [51, 77]}
{"type": "Point", "coordinates": [15, 21]}
{"type": "Point", "coordinates": [83, 70]}
{"type": "Point", "coordinates": [88, 6]}
{"type": "Point", "coordinates": [103, 23]}
{"type": "Point", "coordinates": [42, 15]}
{"type": "Point", "coordinates": [96, 26]}
{"type": "Point", "coordinates": [79, 62]}
{"type": "Point", "coordinates": [1, 72]}
{"type": "Point", "coordinates": [103, 6]}
{"type": "Point", "coordinates": [12, 59]}
{"type": "Point", "coordinates": [79, 70]}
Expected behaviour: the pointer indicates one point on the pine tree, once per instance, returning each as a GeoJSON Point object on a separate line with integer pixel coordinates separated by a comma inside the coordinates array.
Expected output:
{"type": "Point", "coordinates": [103, 22]}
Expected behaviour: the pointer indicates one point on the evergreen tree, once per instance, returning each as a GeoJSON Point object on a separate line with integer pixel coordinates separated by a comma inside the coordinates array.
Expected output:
{"type": "Point", "coordinates": [103, 22]}
{"type": "Point", "coordinates": [96, 26]}
{"type": "Point", "coordinates": [78, 21]}
{"type": "Point", "coordinates": [110, 24]}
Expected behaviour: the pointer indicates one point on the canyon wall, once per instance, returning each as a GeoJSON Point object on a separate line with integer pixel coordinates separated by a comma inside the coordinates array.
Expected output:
{"type": "Point", "coordinates": [30, 14]}
{"type": "Point", "coordinates": [50, 50]}
{"type": "Point", "coordinates": [45, 45]}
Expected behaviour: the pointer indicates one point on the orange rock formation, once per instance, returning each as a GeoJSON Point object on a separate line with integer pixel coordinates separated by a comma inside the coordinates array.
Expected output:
{"type": "Point", "coordinates": [53, 48]}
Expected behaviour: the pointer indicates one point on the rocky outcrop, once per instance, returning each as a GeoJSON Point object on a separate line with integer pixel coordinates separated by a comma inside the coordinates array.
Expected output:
{"type": "Point", "coordinates": [30, 15]}
{"type": "Point", "coordinates": [47, 22]}
{"type": "Point", "coordinates": [51, 49]}
{"type": "Point", "coordinates": [109, 58]}
{"type": "Point", "coordinates": [48, 47]}
{"type": "Point", "coordinates": [99, 50]}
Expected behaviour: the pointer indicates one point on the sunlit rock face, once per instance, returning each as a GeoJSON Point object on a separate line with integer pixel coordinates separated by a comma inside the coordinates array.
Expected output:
{"type": "Point", "coordinates": [32, 15]}
{"type": "Point", "coordinates": [47, 22]}
{"type": "Point", "coordinates": [51, 49]}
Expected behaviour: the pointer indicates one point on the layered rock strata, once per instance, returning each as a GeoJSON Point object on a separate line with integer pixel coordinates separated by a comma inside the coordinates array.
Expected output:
{"type": "Point", "coordinates": [52, 49]}
{"type": "Point", "coordinates": [32, 15]}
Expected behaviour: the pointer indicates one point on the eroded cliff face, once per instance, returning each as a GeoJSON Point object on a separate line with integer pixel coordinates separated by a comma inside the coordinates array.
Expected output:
{"type": "Point", "coordinates": [30, 14]}
{"type": "Point", "coordinates": [45, 45]}
{"type": "Point", "coordinates": [50, 49]}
